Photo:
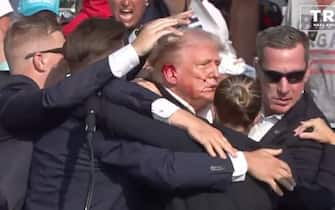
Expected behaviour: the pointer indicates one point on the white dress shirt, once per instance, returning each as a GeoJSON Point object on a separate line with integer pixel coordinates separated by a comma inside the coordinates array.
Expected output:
{"type": "Point", "coordinates": [5, 8]}
{"type": "Point", "coordinates": [162, 109]}
{"type": "Point", "coordinates": [123, 60]}
{"type": "Point", "coordinates": [258, 131]}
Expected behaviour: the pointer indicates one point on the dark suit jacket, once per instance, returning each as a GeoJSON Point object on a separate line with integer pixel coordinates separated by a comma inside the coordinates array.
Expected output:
{"type": "Point", "coordinates": [139, 99]}
{"type": "Point", "coordinates": [21, 99]}
{"type": "Point", "coordinates": [313, 172]}
{"type": "Point", "coordinates": [124, 171]}
{"type": "Point", "coordinates": [310, 161]}
{"type": "Point", "coordinates": [20, 105]}
{"type": "Point", "coordinates": [3, 77]}
{"type": "Point", "coordinates": [60, 166]}
{"type": "Point", "coordinates": [15, 157]}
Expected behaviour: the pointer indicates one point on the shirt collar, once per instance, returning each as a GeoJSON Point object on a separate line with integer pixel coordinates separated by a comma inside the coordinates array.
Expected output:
{"type": "Point", "coordinates": [4, 66]}
{"type": "Point", "coordinates": [272, 118]}
{"type": "Point", "coordinates": [206, 113]}
{"type": "Point", "coordinates": [182, 101]}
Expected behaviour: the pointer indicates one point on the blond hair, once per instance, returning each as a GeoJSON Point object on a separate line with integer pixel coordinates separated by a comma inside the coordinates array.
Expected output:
{"type": "Point", "coordinates": [168, 49]}
{"type": "Point", "coordinates": [238, 101]}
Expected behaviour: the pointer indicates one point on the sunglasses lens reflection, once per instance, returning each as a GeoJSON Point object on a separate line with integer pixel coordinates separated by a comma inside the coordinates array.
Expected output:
{"type": "Point", "coordinates": [292, 77]}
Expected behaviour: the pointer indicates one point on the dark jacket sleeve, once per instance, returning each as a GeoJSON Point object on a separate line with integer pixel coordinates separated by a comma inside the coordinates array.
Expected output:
{"type": "Point", "coordinates": [25, 106]}
{"type": "Point", "coordinates": [139, 99]}
{"type": "Point", "coordinates": [310, 161]}
{"type": "Point", "coordinates": [239, 140]}
{"type": "Point", "coordinates": [131, 95]}
{"type": "Point", "coordinates": [125, 123]}
{"type": "Point", "coordinates": [164, 169]}
{"type": "Point", "coordinates": [319, 192]}
{"type": "Point", "coordinates": [327, 168]}
{"type": "Point", "coordinates": [124, 100]}
{"type": "Point", "coordinates": [326, 177]}
{"type": "Point", "coordinates": [15, 159]}
{"type": "Point", "coordinates": [3, 202]}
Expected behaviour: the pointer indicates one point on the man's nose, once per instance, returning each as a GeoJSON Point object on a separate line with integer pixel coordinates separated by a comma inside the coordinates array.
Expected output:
{"type": "Point", "coordinates": [125, 2]}
{"type": "Point", "coordinates": [283, 86]}
{"type": "Point", "coordinates": [214, 71]}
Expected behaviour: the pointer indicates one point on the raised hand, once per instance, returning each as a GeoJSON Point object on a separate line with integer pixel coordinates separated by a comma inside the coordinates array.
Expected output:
{"type": "Point", "coordinates": [155, 29]}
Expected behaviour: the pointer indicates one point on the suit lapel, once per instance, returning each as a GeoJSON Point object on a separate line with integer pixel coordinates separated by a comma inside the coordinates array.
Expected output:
{"type": "Point", "coordinates": [170, 97]}
{"type": "Point", "coordinates": [273, 136]}
{"type": "Point", "coordinates": [286, 125]}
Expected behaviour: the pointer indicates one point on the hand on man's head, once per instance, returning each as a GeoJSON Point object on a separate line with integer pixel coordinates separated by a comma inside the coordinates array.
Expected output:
{"type": "Point", "coordinates": [154, 30]}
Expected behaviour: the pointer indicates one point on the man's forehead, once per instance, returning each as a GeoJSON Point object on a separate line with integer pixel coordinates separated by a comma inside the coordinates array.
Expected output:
{"type": "Point", "coordinates": [283, 55]}
{"type": "Point", "coordinates": [298, 48]}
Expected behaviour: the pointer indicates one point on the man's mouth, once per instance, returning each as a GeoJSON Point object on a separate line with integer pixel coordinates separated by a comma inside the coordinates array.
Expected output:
{"type": "Point", "coordinates": [282, 101]}
{"type": "Point", "coordinates": [210, 88]}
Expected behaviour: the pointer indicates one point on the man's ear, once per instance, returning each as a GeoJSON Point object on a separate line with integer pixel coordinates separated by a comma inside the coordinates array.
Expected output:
{"type": "Point", "coordinates": [169, 73]}
{"type": "Point", "coordinates": [39, 62]}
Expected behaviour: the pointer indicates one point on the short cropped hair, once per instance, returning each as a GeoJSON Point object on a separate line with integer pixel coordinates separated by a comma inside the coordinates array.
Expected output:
{"type": "Point", "coordinates": [26, 30]}
{"type": "Point", "coordinates": [92, 39]}
{"type": "Point", "coordinates": [281, 37]}
{"type": "Point", "coordinates": [238, 100]}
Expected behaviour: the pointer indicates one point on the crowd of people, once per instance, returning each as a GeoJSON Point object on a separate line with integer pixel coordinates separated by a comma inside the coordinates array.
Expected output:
{"type": "Point", "coordinates": [152, 108]}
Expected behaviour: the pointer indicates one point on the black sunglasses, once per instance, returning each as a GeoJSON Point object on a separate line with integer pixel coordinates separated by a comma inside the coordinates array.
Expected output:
{"type": "Point", "coordinates": [53, 50]}
{"type": "Point", "coordinates": [292, 77]}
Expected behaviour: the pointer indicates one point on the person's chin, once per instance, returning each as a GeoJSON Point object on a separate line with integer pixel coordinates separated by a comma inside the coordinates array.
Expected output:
{"type": "Point", "coordinates": [128, 21]}
{"type": "Point", "coordinates": [129, 25]}
{"type": "Point", "coordinates": [281, 108]}
{"type": "Point", "coordinates": [209, 97]}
